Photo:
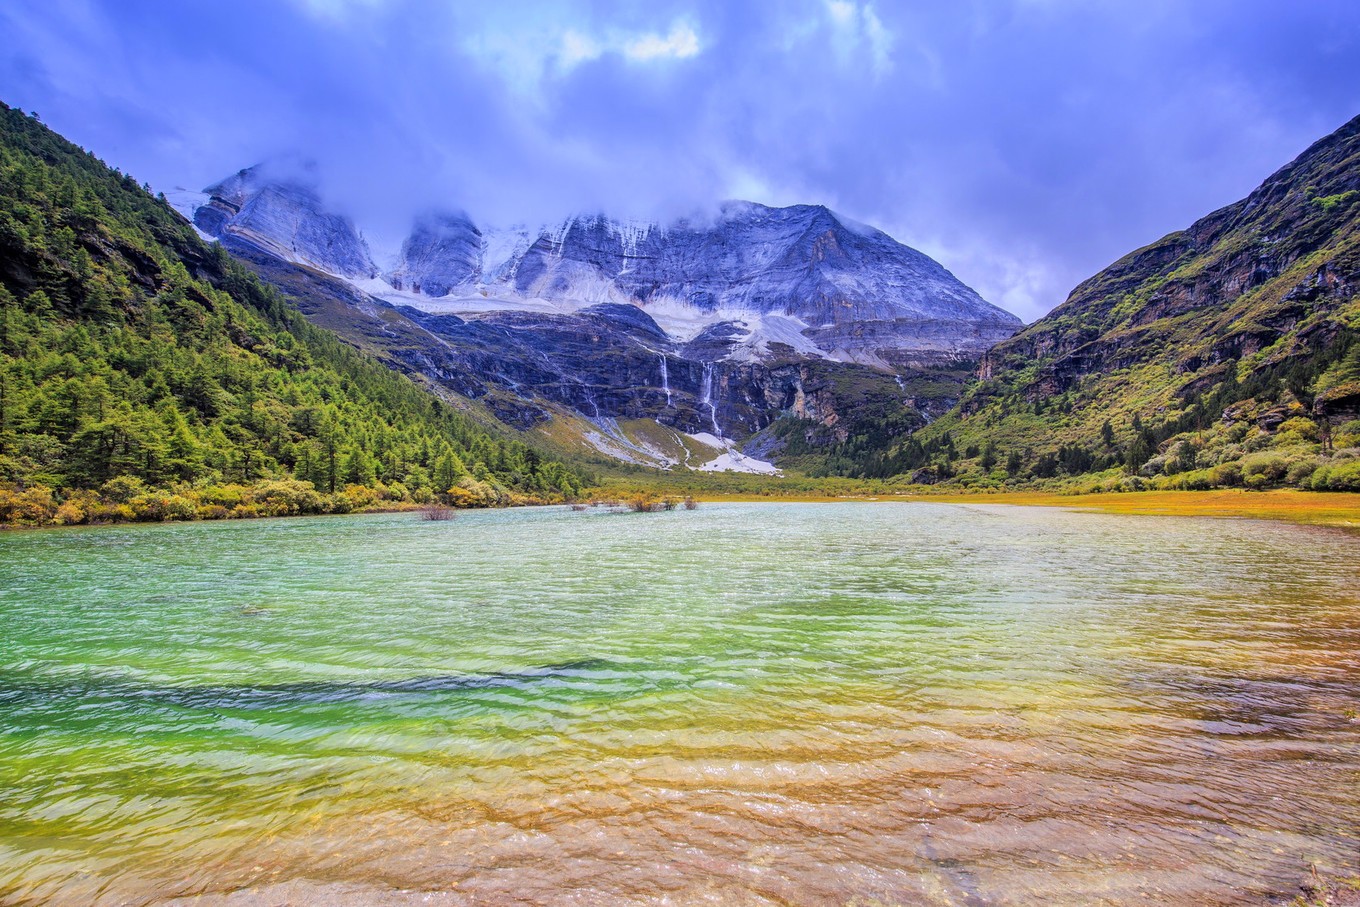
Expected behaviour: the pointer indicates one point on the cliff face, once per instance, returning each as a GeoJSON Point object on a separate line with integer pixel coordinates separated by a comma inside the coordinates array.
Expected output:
{"type": "Point", "coordinates": [1204, 353]}
{"type": "Point", "coordinates": [747, 276]}
{"type": "Point", "coordinates": [607, 363]}
{"type": "Point", "coordinates": [803, 263]}
{"type": "Point", "coordinates": [285, 219]}
{"type": "Point", "coordinates": [442, 252]}
{"type": "Point", "coordinates": [1263, 279]}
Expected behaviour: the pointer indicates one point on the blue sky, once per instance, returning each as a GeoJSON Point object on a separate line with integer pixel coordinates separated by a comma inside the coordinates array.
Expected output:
{"type": "Point", "coordinates": [1023, 143]}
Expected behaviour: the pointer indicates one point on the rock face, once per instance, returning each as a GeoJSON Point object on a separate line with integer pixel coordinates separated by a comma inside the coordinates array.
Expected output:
{"type": "Point", "coordinates": [285, 219]}
{"type": "Point", "coordinates": [442, 252]}
{"type": "Point", "coordinates": [1278, 265]}
{"type": "Point", "coordinates": [749, 276]}
{"type": "Point", "coordinates": [1255, 300]}
{"type": "Point", "coordinates": [715, 327]}
{"type": "Point", "coordinates": [800, 275]}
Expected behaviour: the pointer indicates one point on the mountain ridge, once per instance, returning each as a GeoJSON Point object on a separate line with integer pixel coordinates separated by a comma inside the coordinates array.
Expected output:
{"type": "Point", "coordinates": [827, 274]}
{"type": "Point", "coordinates": [704, 328]}
{"type": "Point", "coordinates": [1222, 354]}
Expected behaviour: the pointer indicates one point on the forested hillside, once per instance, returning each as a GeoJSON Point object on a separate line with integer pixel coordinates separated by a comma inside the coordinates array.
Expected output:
{"type": "Point", "coordinates": [1226, 354]}
{"type": "Point", "coordinates": [144, 374]}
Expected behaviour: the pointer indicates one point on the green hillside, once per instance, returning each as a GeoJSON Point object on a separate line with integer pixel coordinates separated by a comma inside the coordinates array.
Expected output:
{"type": "Point", "coordinates": [1221, 355]}
{"type": "Point", "coordinates": [144, 374]}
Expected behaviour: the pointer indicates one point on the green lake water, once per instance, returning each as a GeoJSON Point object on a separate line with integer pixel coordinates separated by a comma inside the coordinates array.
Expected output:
{"type": "Point", "coordinates": [870, 704]}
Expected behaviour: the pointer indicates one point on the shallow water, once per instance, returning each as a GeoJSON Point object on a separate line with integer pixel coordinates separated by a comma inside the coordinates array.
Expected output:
{"type": "Point", "coordinates": [744, 704]}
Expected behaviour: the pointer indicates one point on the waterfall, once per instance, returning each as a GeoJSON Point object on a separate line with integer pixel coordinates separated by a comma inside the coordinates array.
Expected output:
{"type": "Point", "coordinates": [666, 380]}
{"type": "Point", "coordinates": [706, 398]}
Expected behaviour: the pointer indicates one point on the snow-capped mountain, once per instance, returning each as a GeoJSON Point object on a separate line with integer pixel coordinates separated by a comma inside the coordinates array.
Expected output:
{"type": "Point", "coordinates": [286, 219]}
{"type": "Point", "coordinates": [801, 276]}
{"type": "Point", "coordinates": [709, 329]}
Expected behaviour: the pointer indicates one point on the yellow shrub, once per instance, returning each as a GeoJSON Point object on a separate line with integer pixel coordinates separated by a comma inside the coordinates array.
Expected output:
{"type": "Point", "coordinates": [461, 497]}
{"type": "Point", "coordinates": [360, 496]}
{"type": "Point", "coordinates": [29, 507]}
{"type": "Point", "coordinates": [109, 513]}
{"type": "Point", "coordinates": [69, 514]}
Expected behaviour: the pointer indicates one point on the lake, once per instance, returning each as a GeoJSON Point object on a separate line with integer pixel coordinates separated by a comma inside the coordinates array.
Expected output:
{"type": "Point", "coordinates": [749, 704]}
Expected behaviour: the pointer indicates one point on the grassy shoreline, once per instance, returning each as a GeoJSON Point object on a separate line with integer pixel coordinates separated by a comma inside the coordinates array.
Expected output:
{"type": "Point", "coordinates": [1339, 510]}
{"type": "Point", "coordinates": [1335, 510]}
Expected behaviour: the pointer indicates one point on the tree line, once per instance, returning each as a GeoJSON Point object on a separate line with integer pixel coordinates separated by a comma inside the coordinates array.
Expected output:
{"type": "Point", "coordinates": [132, 350]}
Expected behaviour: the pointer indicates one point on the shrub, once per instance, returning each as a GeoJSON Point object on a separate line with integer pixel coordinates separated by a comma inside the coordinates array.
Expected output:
{"type": "Point", "coordinates": [1264, 469]}
{"type": "Point", "coordinates": [1226, 475]}
{"type": "Point", "coordinates": [479, 494]}
{"type": "Point", "coordinates": [154, 506]}
{"type": "Point", "coordinates": [338, 503]}
{"type": "Point", "coordinates": [461, 497]}
{"type": "Point", "coordinates": [1300, 471]}
{"type": "Point", "coordinates": [228, 496]}
{"type": "Point", "coordinates": [69, 514]}
{"type": "Point", "coordinates": [1347, 434]}
{"type": "Point", "coordinates": [1296, 429]}
{"type": "Point", "coordinates": [360, 496]}
{"type": "Point", "coordinates": [29, 507]}
{"type": "Point", "coordinates": [286, 497]}
{"type": "Point", "coordinates": [1342, 476]}
{"type": "Point", "coordinates": [109, 513]}
{"type": "Point", "coordinates": [1196, 480]}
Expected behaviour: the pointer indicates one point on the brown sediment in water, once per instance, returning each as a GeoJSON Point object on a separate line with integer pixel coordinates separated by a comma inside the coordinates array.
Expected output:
{"type": "Point", "coordinates": [810, 705]}
{"type": "Point", "coordinates": [1335, 509]}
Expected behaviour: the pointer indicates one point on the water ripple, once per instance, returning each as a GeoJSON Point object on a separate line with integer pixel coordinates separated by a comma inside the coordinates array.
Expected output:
{"type": "Point", "coordinates": [744, 704]}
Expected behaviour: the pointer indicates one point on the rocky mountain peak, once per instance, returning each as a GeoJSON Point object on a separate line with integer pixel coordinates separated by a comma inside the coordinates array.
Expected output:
{"type": "Point", "coordinates": [820, 283]}
{"type": "Point", "coordinates": [275, 207]}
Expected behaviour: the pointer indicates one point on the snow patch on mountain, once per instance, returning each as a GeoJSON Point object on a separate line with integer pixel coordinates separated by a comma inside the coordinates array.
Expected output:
{"type": "Point", "coordinates": [186, 201]}
{"type": "Point", "coordinates": [502, 249]}
{"type": "Point", "coordinates": [763, 330]}
{"type": "Point", "coordinates": [735, 284]}
{"type": "Point", "coordinates": [731, 459]}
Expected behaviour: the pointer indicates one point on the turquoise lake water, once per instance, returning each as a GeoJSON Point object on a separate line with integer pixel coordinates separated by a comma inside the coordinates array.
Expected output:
{"type": "Point", "coordinates": [871, 704]}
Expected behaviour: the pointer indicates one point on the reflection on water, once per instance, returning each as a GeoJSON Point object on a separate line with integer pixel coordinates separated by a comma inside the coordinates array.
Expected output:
{"type": "Point", "coordinates": [744, 704]}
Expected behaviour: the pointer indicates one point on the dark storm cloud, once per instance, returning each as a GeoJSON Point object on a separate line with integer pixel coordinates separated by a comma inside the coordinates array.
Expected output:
{"type": "Point", "coordinates": [1024, 143]}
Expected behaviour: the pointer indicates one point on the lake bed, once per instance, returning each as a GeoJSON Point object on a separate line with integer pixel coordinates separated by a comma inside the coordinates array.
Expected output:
{"type": "Point", "coordinates": [743, 704]}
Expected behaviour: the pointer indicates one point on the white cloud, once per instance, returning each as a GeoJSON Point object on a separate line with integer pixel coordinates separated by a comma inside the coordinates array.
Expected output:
{"type": "Point", "coordinates": [526, 53]}
{"type": "Point", "coordinates": [578, 48]}
{"type": "Point", "coordinates": [842, 12]}
{"type": "Point", "coordinates": [879, 39]}
{"type": "Point", "coordinates": [681, 43]}
{"type": "Point", "coordinates": [1021, 278]}
{"type": "Point", "coordinates": [858, 33]}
